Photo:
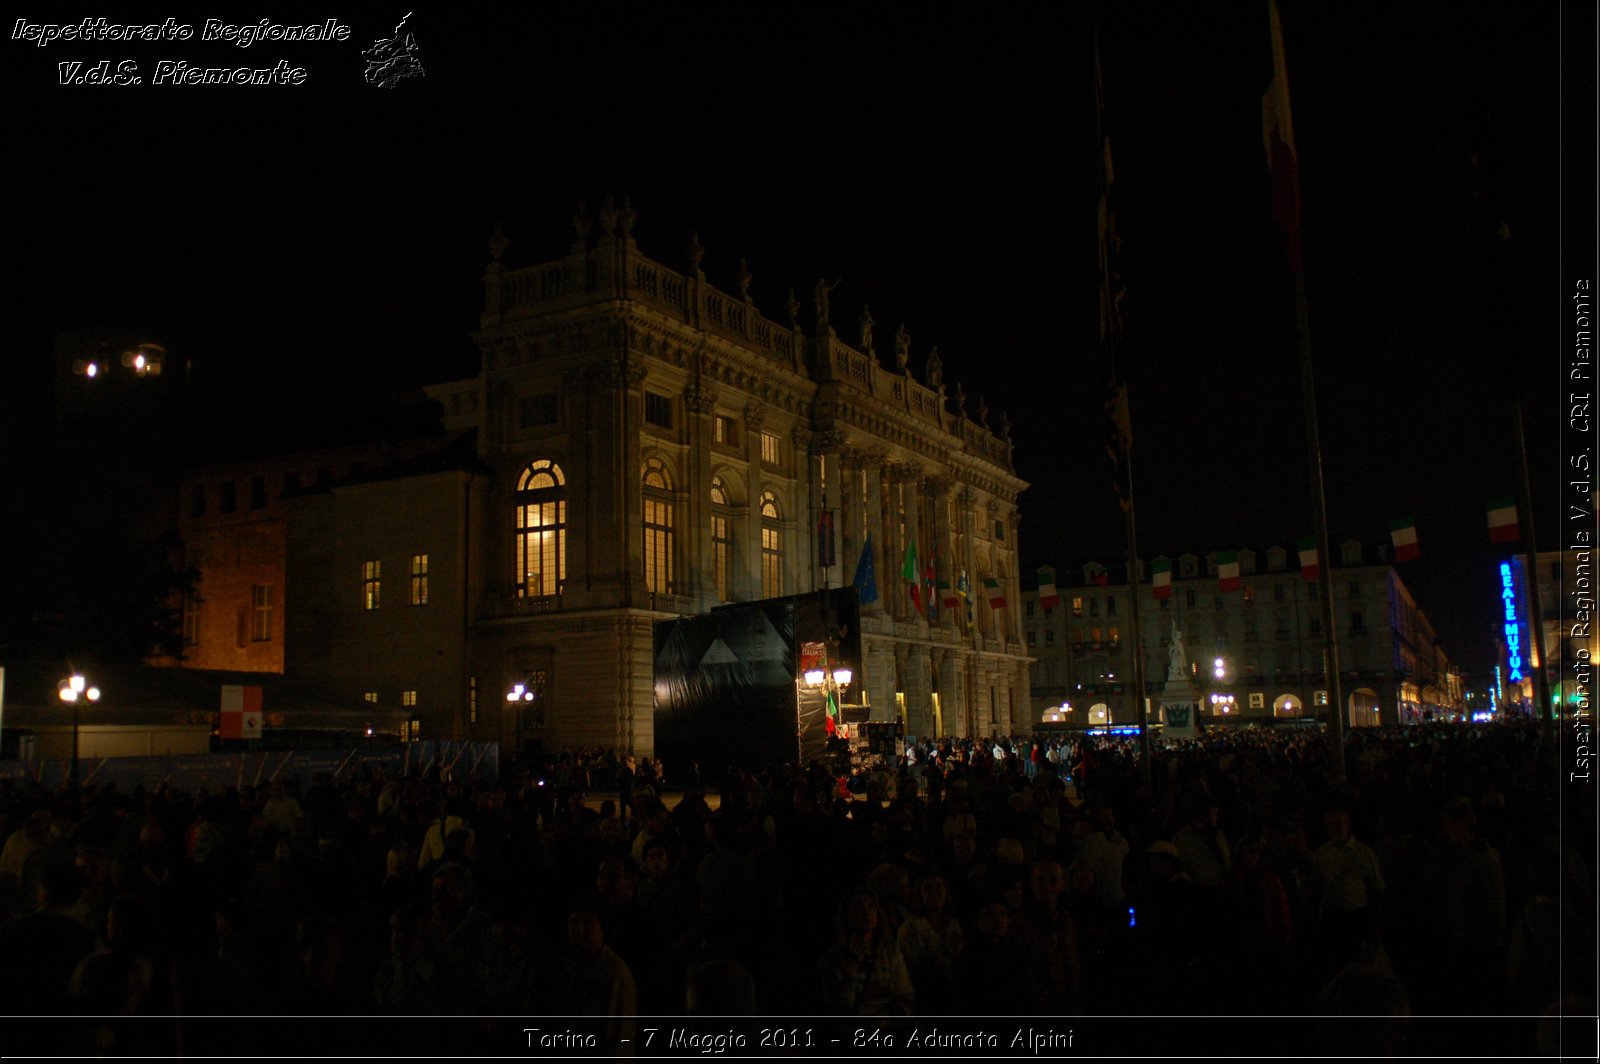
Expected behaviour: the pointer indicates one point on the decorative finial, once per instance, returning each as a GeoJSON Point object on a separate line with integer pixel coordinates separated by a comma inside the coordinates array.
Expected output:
{"type": "Point", "coordinates": [983, 412]}
{"type": "Point", "coordinates": [697, 251]}
{"type": "Point", "coordinates": [961, 400]}
{"type": "Point", "coordinates": [608, 216]}
{"type": "Point", "coordinates": [1005, 426]}
{"type": "Point", "coordinates": [497, 243]}
{"type": "Point", "coordinates": [745, 277]}
{"type": "Point", "coordinates": [629, 216]}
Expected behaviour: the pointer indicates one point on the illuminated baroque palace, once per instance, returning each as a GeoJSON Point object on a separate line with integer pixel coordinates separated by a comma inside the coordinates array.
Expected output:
{"type": "Point", "coordinates": [639, 446]}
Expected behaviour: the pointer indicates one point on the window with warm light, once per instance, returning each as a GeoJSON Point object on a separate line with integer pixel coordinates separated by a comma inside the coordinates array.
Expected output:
{"type": "Point", "coordinates": [769, 449]}
{"type": "Point", "coordinates": [658, 527]}
{"type": "Point", "coordinates": [371, 584]}
{"type": "Point", "coordinates": [771, 547]}
{"type": "Point", "coordinates": [419, 580]}
{"type": "Point", "coordinates": [408, 698]}
{"type": "Point", "coordinates": [370, 696]}
{"type": "Point", "coordinates": [725, 431]}
{"type": "Point", "coordinates": [261, 624]}
{"type": "Point", "coordinates": [540, 503]}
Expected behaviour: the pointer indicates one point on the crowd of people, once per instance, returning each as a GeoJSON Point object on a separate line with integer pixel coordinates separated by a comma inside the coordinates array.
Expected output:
{"type": "Point", "coordinates": [1021, 876]}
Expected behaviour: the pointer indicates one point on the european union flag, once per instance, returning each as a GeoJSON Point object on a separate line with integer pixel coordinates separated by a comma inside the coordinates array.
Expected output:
{"type": "Point", "coordinates": [866, 581]}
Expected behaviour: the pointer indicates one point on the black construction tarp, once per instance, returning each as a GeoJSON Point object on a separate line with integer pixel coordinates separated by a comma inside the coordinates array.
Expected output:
{"type": "Point", "coordinates": [726, 688]}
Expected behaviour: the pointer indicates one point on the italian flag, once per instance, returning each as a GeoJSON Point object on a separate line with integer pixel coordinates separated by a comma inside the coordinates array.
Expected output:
{"type": "Point", "coordinates": [947, 595]}
{"type": "Point", "coordinates": [1049, 596]}
{"type": "Point", "coordinates": [997, 597]}
{"type": "Point", "coordinates": [1161, 579]}
{"type": "Point", "coordinates": [1309, 570]}
{"type": "Point", "coordinates": [909, 572]}
{"type": "Point", "coordinates": [830, 722]}
{"type": "Point", "coordinates": [1228, 571]}
{"type": "Point", "coordinates": [1404, 534]}
{"type": "Point", "coordinates": [1503, 527]}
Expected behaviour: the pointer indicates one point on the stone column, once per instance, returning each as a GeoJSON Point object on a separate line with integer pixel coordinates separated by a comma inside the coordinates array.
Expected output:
{"type": "Point", "coordinates": [877, 526]}
{"type": "Point", "coordinates": [911, 499]}
{"type": "Point", "coordinates": [748, 530]}
{"type": "Point", "coordinates": [698, 579]}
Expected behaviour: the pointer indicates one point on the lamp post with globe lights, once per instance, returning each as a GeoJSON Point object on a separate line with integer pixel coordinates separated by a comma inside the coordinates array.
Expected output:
{"type": "Point", "coordinates": [75, 690]}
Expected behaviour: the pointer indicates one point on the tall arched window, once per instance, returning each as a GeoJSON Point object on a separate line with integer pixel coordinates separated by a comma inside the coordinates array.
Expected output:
{"type": "Point", "coordinates": [541, 505]}
{"type": "Point", "coordinates": [721, 540]}
{"type": "Point", "coordinates": [657, 527]}
{"type": "Point", "coordinates": [771, 547]}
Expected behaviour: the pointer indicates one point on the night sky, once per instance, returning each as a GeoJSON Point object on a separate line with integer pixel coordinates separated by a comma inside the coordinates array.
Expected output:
{"type": "Point", "coordinates": [330, 237]}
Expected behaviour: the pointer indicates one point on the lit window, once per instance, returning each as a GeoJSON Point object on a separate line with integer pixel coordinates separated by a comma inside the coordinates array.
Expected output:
{"type": "Point", "coordinates": [541, 544]}
{"type": "Point", "coordinates": [191, 621]}
{"type": "Point", "coordinates": [658, 409]}
{"type": "Point", "coordinates": [472, 700]}
{"type": "Point", "coordinates": [1319, 697]}
{"type": "Point", "coordinates": [1077, 607]}
{"type": "Point", "coordinates": [1258, 700]}
{"type": "Point", "coordinates": [371, 584]}
{"type": "Point", "coordinates": [419, 580]}
{"type": "Point", "coordinates": [261, 626]}
{"type": "Point", "coordinates": [1115, 636]}
{"type": "Point", "coordinates": [725, 431]}
{"type": "Point", "coordinates": [771, 547]}
{"type": "Point", "coordinates": [408, 698]}
{"type": "Point", "coordinates": [658, 545]}
{"type": "Point", "coordinates": [769, 448]}
{"type": "Point", "coordinates": [370, 696]}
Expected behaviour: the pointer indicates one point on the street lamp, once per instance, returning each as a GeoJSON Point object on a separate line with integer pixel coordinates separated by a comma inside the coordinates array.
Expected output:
{"type": "Point", "coordinates": [74, 691]}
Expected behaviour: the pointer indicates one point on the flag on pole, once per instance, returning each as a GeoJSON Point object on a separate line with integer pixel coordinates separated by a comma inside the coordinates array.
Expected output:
{"type": "Point", "coordinates": [825, 555]}
{"type": "Point", "coordinates": [947, 595]}
{"type": "Point", "coordinates": [1277, 134]}
{"type": "Point", "coordinates": [1228, 571]}
{"type": "Point", "coordinates": [997, 595]}
{"type": "Point", "coordinates": [1119, 428]}
{"type": "Point", "coordinates": [866, 579]}
{"type": "Point", "coordinates": [908, 571]}
{"type": "Point", "coordinates": [1503, 525]}
{"type": "Point", "coordinates": [241, 713]}
{"type": "Point", "coordinates": [1404, 534]}
{"type": "Point", "coordinates": [1161, 579]}
{"type": "Point", "coordinates": [1119, 441]}
{"type": "Point", "coordinates": [964, 589]}
{"type": "Point", "coordinates": [1049, 595]}
{"type": "Point", "coordinates": [1102, 578]}
{"type": "Point", "coordinates": [1309, 569]}
{"type": "Point", "coordinates": [930, 602]}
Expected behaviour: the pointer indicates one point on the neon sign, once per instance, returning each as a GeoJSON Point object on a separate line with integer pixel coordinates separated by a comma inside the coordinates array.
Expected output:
{"type": "Point", "coordinates": [1513, 629]}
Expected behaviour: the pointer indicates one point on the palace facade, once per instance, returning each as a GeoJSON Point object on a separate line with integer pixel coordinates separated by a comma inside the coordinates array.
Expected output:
{"type": "Point", "coordinates": [640, 445]}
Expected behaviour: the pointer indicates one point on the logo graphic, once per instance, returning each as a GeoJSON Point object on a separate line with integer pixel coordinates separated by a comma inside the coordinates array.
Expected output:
{"type": "Point", "coordinates": [392, 58]}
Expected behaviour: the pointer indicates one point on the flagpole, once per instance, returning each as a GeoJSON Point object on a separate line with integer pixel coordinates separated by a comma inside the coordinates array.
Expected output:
{"type": "Point", "coordinates": [1278, 136]}
{"type": "Point", "coordinates": [1110, 320]}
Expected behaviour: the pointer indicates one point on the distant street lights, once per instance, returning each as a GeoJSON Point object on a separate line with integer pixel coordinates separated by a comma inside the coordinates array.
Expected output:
{"type": "Point", "coordinates": [74, 691]}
